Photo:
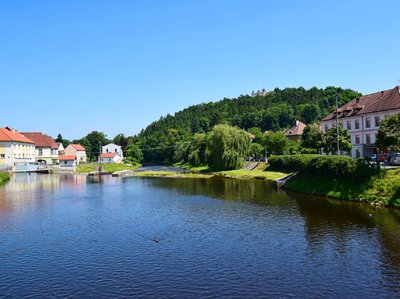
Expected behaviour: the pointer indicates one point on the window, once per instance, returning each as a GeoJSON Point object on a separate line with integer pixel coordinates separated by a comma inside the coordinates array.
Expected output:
{"type": "Point", "coordinates": [367, 122]}
{"type": "Point", "coordinates": [357, 139]}
{"type": "Point", "coordinates": [357, 124]}
{"type": "Point", "coordinates": [348, 125]}
{"type": "Point", "coordinates": [40, 152]}
{"type": "Point", "coordinates": [358, 154]}
{"type": "Point", "coordinates": [326, 127]}
{"type": "Point", "coordinates": [377, 121]}
{"type": "Point", "coordinates": [2, 156]}
{"type": "Point", "coordinates": [367, 138]}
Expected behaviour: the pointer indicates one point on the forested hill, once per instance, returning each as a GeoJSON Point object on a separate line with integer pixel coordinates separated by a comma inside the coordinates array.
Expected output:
{"type": "Point", "coordinates": [277, 110]}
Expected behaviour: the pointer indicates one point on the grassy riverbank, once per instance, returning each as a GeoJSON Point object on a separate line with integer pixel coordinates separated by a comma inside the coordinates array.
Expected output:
{"type": "Point", "coordinates": [382, 188]}
{"type": "Point", "coordinates": [4, 177]}
{"type": "Point", "coordinates": [261, 172]}
{"type": "Point", "coordinates": [110, 167]}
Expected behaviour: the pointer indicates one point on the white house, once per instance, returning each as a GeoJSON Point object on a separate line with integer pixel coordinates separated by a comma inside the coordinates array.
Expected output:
{"type": "Point", "coordinates": [112, 148]}
{"type": "Point", "coordinates": [362, 116]}
{"type": "Point", "coordinates": [110, 158]}
{"type": "Point", "coordinates": [68, 161]}
{"type": "Point", "coordinates": [16, 150]}
{"type": "Point", "coordinates": [78, 151]}
{"type": "Point", "coordinates": [46, 148]}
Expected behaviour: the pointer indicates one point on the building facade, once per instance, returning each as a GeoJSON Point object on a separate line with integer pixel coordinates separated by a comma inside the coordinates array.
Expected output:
{"type": "Point", "coordinates": [16, 150]}
{"type": "Point", "coordinates": [362, 116]}
{"type": "Point", "coordinates": [46, 148]}
{"type": "Point", "coordinates": [78, 151]}
{"type": "Point", "coordinates": [110, 158]}
{"type": "Point", "coordinates": [112, 148]}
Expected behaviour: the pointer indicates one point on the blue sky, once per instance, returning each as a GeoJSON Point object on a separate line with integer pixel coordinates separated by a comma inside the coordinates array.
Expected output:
{"type": "Point", "coordinates": [72, 67]}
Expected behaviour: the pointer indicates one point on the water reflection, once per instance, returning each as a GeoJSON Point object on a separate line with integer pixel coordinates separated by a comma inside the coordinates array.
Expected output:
{"type": "Point", "coordinates": [74, 235]}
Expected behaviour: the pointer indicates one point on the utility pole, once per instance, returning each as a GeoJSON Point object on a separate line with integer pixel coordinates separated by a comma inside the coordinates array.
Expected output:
{"type": "Point", "coordinates": [100, 157]}
{"type": "Point", "coordinates": [337, 128]}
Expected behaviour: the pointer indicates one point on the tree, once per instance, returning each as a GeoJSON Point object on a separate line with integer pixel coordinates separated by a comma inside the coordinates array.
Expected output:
{"type": "Point", "coordinates": [329, 142]}
{"type": "Point", "coordinates": [133, 154]}
{"type": "Point", "coordinates": [121, 140]}
{"type": "Point", "coordinates": [256, 150]}
{"type": "Point", "coordinates": [59, 138]}
{"type": "Point", "coordinates": [92, 142]}
{"type": "Point", "coordinates": [259, 136]}
{"type": "Point", "coordinates": [196, 153]}
{"type": "Point", "coordinates": [311, 138]}
{"type": "Point", "coordinates": [276, 143]}
{"type": "Point", "coordinates": [226, 147]}
{"type": "Point", "coordinates": [389, 133]}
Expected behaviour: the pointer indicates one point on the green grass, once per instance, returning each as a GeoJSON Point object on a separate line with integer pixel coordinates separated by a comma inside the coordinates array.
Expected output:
{"type": "Point", "coordinates": [110, 167]}
{"type": "Point", "coordinates": [4, 177]}
{"type": "Point", "coordinates": [383, 188]}
{"type": "Point", "coordinates": [262, 171]}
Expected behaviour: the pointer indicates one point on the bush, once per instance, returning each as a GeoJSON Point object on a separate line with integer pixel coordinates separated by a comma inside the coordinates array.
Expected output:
{"type": "Point", "coordinates": [326, 165]}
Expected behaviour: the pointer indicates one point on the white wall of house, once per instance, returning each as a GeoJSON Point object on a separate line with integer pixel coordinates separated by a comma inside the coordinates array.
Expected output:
{"type": "Point", "coordinates": [362, 129]}
{"type": "Point", "coordinates": [19, 153]}
{"type": "Point", "coordinates": [67, 164]}
{"type": "Point", "coordinates": [116, 159]}
{"type": "Point", "coordinates": [112, 148]}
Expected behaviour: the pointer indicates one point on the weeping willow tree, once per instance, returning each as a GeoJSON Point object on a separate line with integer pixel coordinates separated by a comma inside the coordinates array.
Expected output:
{"type": "Point", "coordinates": [226, 147]}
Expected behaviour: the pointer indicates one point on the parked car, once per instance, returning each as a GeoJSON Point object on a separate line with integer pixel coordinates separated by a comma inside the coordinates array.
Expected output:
{"type": "Point", "coordinates": [395, 159]}
{"type": "Point", "coordinates": [383, 157]}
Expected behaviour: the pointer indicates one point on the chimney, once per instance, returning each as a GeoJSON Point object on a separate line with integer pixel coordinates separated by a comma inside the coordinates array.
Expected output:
{"type": "Point", "coordinates": [357, 100]}
{"type": "Point", "coordinates": [297, 122]}
{"type": "Point", "coordinates": [382, 93]}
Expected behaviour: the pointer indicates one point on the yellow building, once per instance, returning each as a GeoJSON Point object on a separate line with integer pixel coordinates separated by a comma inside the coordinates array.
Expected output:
{"type": "Point", "coordinates": [15, 149]}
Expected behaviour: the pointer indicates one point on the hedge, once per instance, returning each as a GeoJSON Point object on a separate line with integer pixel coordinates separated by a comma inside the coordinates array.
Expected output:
{"type": "Point", "coordinates": [326, 165]}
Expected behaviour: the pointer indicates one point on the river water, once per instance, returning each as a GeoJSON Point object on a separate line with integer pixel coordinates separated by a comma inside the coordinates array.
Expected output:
{"type": "Point", "coordinates": [90, 237]}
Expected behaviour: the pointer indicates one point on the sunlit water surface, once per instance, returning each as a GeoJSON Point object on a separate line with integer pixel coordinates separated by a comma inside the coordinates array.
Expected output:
{"type": "Point", "coordinates": [78, 236]}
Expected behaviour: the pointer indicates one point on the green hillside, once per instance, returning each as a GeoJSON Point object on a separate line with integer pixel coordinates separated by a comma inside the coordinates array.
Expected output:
{"type": "Point", "coordinates": [166, 140]}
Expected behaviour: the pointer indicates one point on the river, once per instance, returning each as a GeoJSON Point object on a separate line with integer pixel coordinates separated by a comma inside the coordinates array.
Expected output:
{"type": "Point", "coordinates": [91, 237]}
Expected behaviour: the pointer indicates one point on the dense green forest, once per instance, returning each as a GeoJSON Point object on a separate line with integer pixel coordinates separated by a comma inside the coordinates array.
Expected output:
{"type": "Point", "coordinates": [168, 139]}
{"type": "Point", "coordinates": [189, 135]}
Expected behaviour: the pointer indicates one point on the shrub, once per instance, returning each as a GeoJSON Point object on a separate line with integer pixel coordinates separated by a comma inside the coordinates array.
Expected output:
{"type": "Point", "coordinates": [326, 165]}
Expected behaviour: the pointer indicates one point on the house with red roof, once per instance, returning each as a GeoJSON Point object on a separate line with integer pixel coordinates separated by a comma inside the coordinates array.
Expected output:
{"type": "Point", "coordinates": [295, 132]}
{"type": "Point", "coordinates": [15, 149]}
{"type": "Point", "coordinates": [46, 148]}
{"type": "Point", "coordinates": [77, 151]}
{"type": "Point", "coordinates": [362, 116]}
{"type": "Point", "coordinates": [110, 158]}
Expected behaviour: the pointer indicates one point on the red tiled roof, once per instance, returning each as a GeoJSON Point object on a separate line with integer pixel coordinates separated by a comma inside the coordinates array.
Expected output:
{"type": "Point", "coordinates": [296, 130]}
{"type": "Point", "coordinates": [7, 134]}
{"type": "Point", "coordinates": [66, 158]}
{"type": "Point", "coordinates": [78, 147]}
{"type": "Point", "coordinates": [374, 102]}
{"type": "Point", "coordinates": [41, 140]}
{"type": "Point", "coordinates": [108, 155]}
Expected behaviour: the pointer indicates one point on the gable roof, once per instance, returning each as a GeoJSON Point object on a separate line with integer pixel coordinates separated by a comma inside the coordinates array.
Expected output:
{"type": "Point", "coordinates": [41, 140]}
{"type": "Point", "coordinates": [78, 147]}
{"type": "Point", "coordinates": [370, 103]}
{"type": "Point", "coordinates": [108, 155]}
{"type": "Point", "coordinates": [7, 134]}
{"type": "Point", "coordinates": [297, 129]}
{"type": "Point", "coordinates": [66, 158]}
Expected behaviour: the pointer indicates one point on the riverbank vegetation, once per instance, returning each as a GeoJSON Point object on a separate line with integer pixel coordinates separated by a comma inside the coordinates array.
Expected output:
{"type": "Point", "coordinates": [4, 177]}
{"type": "Point", "coordinates": [262, 171]}
{"type": "Point", "coordinates": [341, 177]}
{"type": "Point", "coordinates": [110, 167]}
